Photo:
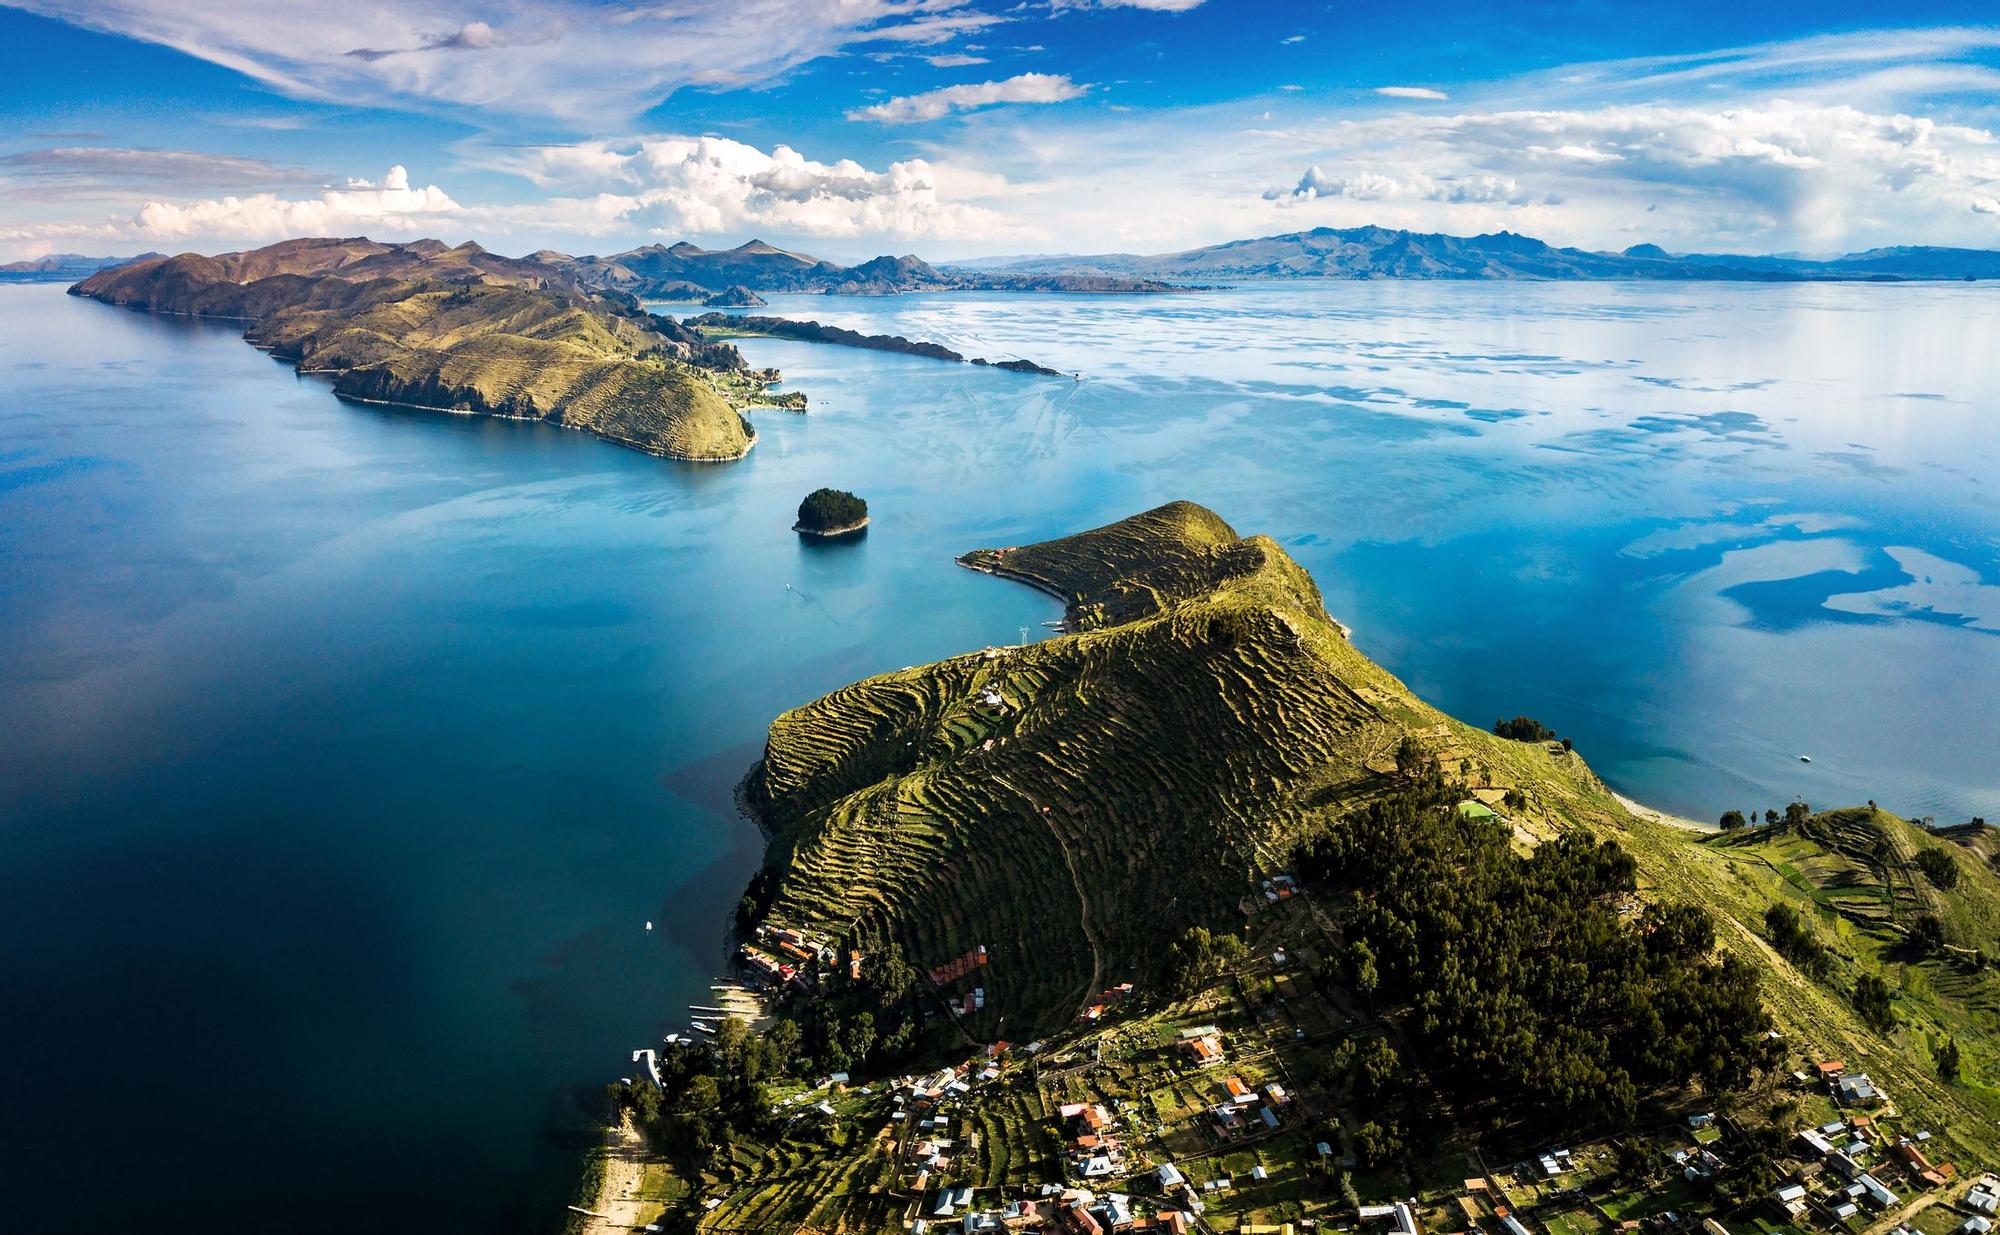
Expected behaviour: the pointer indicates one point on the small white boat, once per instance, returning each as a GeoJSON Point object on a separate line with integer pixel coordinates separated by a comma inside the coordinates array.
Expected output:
{"type": "Point", "coordinates": [1805, 758]}
{"type": "Point", "coordinates": [649, 926]}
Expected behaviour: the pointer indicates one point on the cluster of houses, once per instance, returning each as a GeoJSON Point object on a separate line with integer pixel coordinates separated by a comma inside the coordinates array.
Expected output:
{"type": "Point", "coordinates": [1280, 887]}
{"type": "Point", "coordinates": [952, 970]}
{"type": "Point", "coordinates": [1849, 1163]}
{"type": "Point", "coordinates": [1094, 1149]}
{"type": "Point", "coordinates": [1106, 1002]}
{"type": "Point", "coordinates": [1983, 1200]}
{"type": "Point", "coordinates": [1202, 1045]}
{"type": "Point", "coordinates": [1247, 1109]}
{"type": "Point", "coordinates": [1056, 1211]}
{"type": "Point", "coordinates": [785, 957]}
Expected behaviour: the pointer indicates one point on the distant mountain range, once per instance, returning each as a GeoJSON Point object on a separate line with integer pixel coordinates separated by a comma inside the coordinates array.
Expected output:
{"type": "Point", "coordinates": [63, 267]}
{"type": "Point", "coordinates": [1385, 253]}
{"type": "Point", "coordinates": [735, 277]}
{"type": "Point", "coordinates": [688, 272]}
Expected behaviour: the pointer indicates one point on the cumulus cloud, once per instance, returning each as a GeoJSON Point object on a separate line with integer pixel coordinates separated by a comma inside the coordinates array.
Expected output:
{"type": "Point", "coordinates": [1369, 186]}
{"type": "Point", "coordinates": [571, 59]}
{"type": "Point", "coordinates": [933, 104]}
{"type": "Point", "coordinates": [391, 206]}
{"type": "Point", "coordinates": [678, 186]}
{"type": "Point", "coordinates": [665, 187]}
{"type": "Point", "coordinates": [1775, 174]}
{"type": "Point", "coordinates": [1410, 92]}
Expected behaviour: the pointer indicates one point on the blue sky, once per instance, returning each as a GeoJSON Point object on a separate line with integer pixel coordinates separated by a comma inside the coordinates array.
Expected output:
{"type": "Point", "coordinates": [958, 127]}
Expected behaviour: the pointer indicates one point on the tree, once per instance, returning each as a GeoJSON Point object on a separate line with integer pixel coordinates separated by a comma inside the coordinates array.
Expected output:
{"type": "Point", "coordinates": [1771, 818]}
{"type": "Point", "coordinates": [1938, 867]}
{"type": "Point", "coordinates": [1199, 957]}
{"type": "Point", "coordinates": [1412, 760]}
{"type": "Point", "coordinates": [830, 509]}
{"type": "Point", "coordinates": [1795, 940]}
{"type": "Point", "coordinates": [1927, 933]}
{"type": "Point", "coordinates": [1377, 1144]}
{"type": "Point", "coordinates": [1796, 813]}
{"type": "Point", "coordinates": [1524, 729]}
{"type": "Point", "coordinates": [888, 974]}
{"type": "Point", "coordinates": [1948, 1061]}
{"type": "Point", "coordinates": [1872, 1000]}
{"type": "Point", "coordinates": [1361, 971]}
{"type": "Point", "coordinates": [1460, 926]}
{"type": "Point", "coordinates": [1732, 820]}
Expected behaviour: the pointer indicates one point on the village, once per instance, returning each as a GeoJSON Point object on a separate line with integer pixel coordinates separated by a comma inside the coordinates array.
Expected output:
{"type": "Point", "coordinates": [1236, 1110]}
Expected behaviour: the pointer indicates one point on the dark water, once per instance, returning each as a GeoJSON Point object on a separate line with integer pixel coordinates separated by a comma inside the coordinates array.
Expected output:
{"type": "Point", "coordinates": [346, 751]}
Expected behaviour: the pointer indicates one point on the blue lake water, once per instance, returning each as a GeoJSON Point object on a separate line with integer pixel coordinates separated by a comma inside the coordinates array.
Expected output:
{"type": "Point", "coordinates": [346, 750]}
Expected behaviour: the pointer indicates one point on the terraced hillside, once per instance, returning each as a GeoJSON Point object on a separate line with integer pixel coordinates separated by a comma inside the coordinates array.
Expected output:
{"type": "Point", "coordinates": [1074, 804]}
{"type": "Point", "coordinates": [479, 334]}
{"type": "Point", "coordinates": [1855, 878]}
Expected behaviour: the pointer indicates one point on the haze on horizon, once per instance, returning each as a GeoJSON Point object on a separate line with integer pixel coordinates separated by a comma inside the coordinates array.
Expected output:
{"type": "Point", "coordinates": [963, 128]}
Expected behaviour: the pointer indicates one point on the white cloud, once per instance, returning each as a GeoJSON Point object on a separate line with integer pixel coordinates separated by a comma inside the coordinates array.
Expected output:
{"type": "Point", "coordinates": [660, 188]}
{"type": "Point", "coordinates": [571, 59]}
{"type": "Point", "coordinates": [673, 187]}
{"type": "Point", "coordinates": [955, 60]}
{"type": "Point", "coordinates": [932, 104]}
{"type": "Point", "coordinates": [1370, 186]}
{"type": "Point", "coordinates": [1773, 175]}
{"type": "Point", "coordinates": [1290, 39]}
{"type": "Point", "coordinates": [1986, 205]}
{"type": "Point", "coordinates": [391, 207]}
{"type": "Point", "coordinates": [1156, 6]}
{"type": "Point", "coordinates": [1410, 92]}
{"type": "Point", "coordinates": [77, 168]}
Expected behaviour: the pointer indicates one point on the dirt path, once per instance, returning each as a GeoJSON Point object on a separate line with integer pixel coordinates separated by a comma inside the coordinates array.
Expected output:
{"type": "Point", "coordinates": [1084, 922]}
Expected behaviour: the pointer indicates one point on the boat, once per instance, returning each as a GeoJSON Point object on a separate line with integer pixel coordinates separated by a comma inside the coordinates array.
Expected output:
{"type": "Point", "coordinates": [649, 925]}
{"type": "Point", "coordinates": [1805, 758]}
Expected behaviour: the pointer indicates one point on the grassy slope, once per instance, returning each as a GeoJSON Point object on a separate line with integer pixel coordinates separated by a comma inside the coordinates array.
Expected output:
{"type": "Point", "coordinates": [1850, 873]}
{"type": "Point", "coordinates": [484, 342]}
{"type": "Point", "coordinates": [1178, 751]}
{"type": "Point", "coordinates": [1144, 773]}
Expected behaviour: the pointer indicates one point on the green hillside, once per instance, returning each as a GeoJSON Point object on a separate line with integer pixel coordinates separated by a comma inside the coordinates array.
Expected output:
{"type": "Point", "coordinates": [1069, 804]}
{"type": "Point", "coordinates": [461, 330]}
{"type": "Point", "coordinates": [1413, 953]}
{"type": "Point", "coordinates": [1855, 879]}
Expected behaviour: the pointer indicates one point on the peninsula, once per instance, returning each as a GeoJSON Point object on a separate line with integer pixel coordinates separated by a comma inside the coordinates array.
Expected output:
{"type": "Point", "coordinates": [1194, 917]}
{"type": "Point", "coordinates": [737, 325]}
{"type": "Point", "coordinates": [462, 330]}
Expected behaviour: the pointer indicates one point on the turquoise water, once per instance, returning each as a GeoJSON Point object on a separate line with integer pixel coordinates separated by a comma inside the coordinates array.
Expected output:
{"type": "Point", "coordinates": [348, 750]}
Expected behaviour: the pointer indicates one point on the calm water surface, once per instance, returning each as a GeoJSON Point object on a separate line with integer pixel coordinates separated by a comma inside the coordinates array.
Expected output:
{"type": "Point", "coordinates": [348, 750]}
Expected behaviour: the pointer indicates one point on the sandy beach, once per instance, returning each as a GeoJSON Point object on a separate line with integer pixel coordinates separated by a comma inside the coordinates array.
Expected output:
{"type": "Point", "coordinates": [1656, 816]}
{"type": "Point", "coordinates": [618, 1207]}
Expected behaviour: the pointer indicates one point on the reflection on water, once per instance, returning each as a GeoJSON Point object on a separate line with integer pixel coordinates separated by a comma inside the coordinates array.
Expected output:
{"type": "Point", "coordinates": [349, 748]}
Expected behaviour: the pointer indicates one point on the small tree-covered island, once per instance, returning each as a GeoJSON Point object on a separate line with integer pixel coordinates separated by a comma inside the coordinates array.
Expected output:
{"type": "Point", "coordinates": [831, 512]}
{"type": "Point", "coordinates": [1192, 918]}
